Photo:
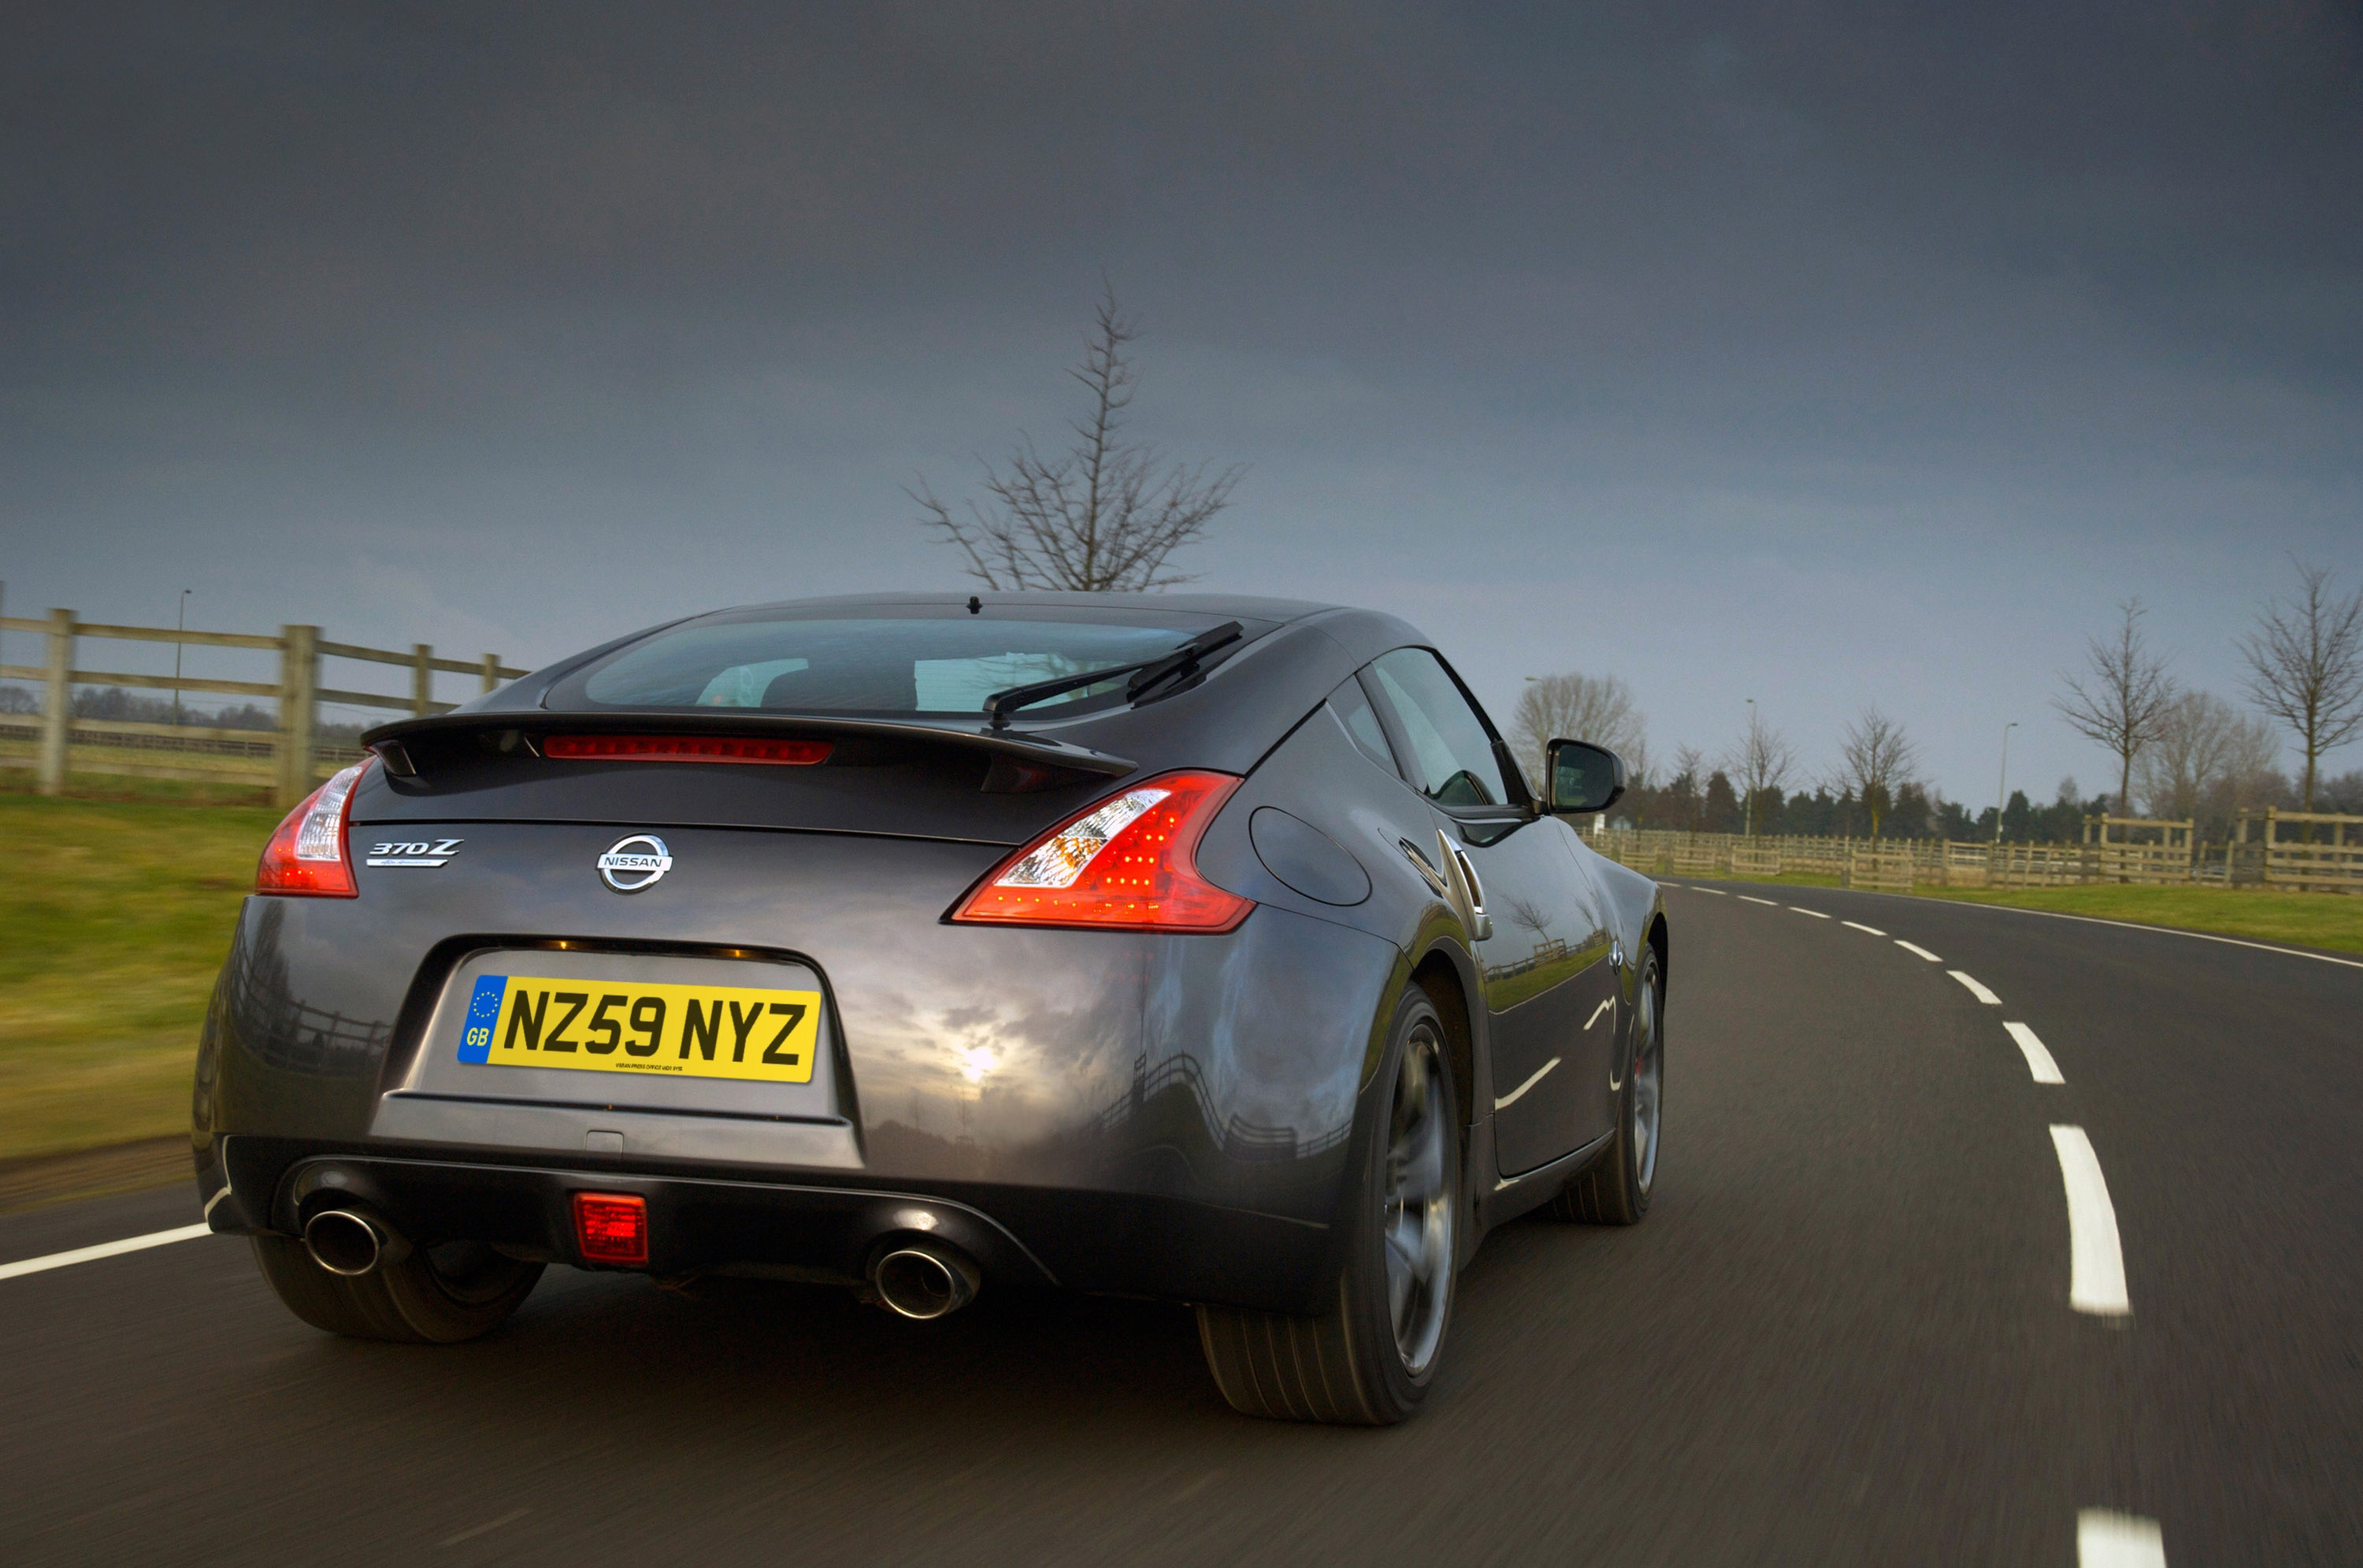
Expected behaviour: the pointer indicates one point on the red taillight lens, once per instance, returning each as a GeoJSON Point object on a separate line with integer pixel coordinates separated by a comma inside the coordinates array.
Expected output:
{"type": "Point", "coordinates": [689, 748]}
{"type": "Point", "coordinates": [612, 1226]}
{"type": "Point", "coordinates": [1126, 864]}
{"type": "Point", "coordinates": [307, 853]}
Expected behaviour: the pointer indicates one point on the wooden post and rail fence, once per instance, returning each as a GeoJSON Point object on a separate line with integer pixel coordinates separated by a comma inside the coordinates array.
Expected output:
{"type": "Point", "coordinates": [2290, 851]}
{"type": "Point", "coordinates": [2306, 851]}
{"type": "Point", "coordinates": [290, 760]}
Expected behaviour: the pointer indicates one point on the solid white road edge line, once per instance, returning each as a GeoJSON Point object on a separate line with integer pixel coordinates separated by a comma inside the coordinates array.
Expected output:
{"type": "Point", "coordinates": [2096, 1277]}
{"type": "Point", "coordinates": [1530, 1083]}
{"type": "Point", "coordinates": [2163, 931]}
{"type": "Point", "coordinates": [2105, 1539]}
{"type": "Point", "coordinates": [1802, 910]}
{"type": "Point", "coordinates": [1768, 903]}
{"type": "Point", "coordinates": [1976, 990]}
{"type": "Point", "coordinates": [2038, 1060]}
{"type": "Point", "coordinates": [1859, 926]}
{"type": "Point", "coordinates": [105, 1250]}
{"type": "Point", "coordinates": [1917, 951]}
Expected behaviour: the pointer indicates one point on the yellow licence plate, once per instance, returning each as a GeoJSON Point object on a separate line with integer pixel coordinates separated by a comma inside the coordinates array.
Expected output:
{"type": "Point", "coordinates": [697, 1031]}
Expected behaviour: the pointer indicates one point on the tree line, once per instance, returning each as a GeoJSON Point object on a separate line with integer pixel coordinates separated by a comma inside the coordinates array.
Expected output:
{"type": "Point", "coordinates": [2182, 754]}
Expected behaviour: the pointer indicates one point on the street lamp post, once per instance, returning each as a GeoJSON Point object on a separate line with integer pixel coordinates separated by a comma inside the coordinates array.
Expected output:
{"type": "Point", "coordinates": [2002, 784]}
{"type": "Point", "coordinates": [1748, 761]}
{"type": "Point", "coordinates": [179, 629]}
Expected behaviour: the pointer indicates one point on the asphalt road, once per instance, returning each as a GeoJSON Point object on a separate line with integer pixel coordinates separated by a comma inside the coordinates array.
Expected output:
{"type": "Point", "coordinates": [1844, 1334]}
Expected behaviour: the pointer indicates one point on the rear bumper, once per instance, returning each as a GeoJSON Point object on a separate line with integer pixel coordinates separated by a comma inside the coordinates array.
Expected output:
{"type": "Point", "coordinates": [1116, 1242]}
{"type": "Point", "coordinates": [1162, 1115]}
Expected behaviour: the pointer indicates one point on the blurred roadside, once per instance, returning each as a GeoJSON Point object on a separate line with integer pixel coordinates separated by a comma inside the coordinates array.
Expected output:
{"type": "Point", "coordinates": [127, 895]}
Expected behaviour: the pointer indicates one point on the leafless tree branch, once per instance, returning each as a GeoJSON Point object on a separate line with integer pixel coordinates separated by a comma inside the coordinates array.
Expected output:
{"type": "Point", "coordinates": [2123, 699]}
{"type": "Point", "coordinates": [2306, 667]}
{"type": "Point", "coordinates": [1105, 514]}
{"type": "Point", "coordinates": [1875, 757]}
{"type": "Point", "coordinates": [1761, 761]}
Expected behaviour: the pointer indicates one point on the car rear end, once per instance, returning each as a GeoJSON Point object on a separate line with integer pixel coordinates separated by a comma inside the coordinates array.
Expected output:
{"type": "Point", "coordinates": [738, 948]}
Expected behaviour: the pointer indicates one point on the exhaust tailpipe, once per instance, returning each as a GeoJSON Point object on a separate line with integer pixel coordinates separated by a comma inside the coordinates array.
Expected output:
{"type": "Point", "coordinates": [924, 1280]}
{"type": "Point", "coordinates": [351, 1241]}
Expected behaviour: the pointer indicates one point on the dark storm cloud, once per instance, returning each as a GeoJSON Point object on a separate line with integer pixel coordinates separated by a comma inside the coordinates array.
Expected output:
{"type": "Point", "coordinates": [1967, 290]}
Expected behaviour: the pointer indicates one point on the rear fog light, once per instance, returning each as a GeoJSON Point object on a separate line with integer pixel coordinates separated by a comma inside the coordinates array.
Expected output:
{"type": "Point", "coordinates": [612, 1226]}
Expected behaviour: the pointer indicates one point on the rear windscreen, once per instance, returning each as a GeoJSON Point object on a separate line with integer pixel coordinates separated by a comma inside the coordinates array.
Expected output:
{"type": "Point", "coordinates": [884, 666]}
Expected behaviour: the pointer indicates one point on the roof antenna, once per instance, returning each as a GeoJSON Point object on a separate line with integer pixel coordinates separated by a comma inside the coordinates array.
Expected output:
{"type": "Point", "coordinates": [974, 604]}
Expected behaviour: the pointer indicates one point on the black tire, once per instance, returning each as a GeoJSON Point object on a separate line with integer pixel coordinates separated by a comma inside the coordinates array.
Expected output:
{"type": "Point", "coordinates": [1615, 1188]}
{"type": "Point", "coordinates": [1368, 1361]}
{"type": "Point", "coordinates": [436, 1296]}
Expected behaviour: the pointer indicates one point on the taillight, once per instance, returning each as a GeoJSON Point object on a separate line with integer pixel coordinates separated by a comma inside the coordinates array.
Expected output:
{"type": "Point", "coordinates": [307, 855]}
{"type": "Point", "coordinates": [689, 748]}
{"type": "Point", "coordinates": [1126, 864]}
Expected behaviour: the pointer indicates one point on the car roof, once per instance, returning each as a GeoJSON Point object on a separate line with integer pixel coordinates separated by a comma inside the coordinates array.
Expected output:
{"type": "Point", "coordinates": [1246, 606]}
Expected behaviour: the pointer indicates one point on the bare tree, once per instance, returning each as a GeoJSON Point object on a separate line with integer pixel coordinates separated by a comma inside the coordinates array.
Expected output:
{"type": "Point", "coordinates": [2123, 701]}
{"type": "Point", "coordinates": [1876, 756]}
{"type": "Point", "coordinates": [1595, 708]}
{"type": "Point", "coordinates": [1104, 515]}
{"type": "Point", "coordinates": [2305, 668]}
{"type": "Point", "coordinates": [1760, 761]}
{"type": "Point", "coordinates": [2189, 753]}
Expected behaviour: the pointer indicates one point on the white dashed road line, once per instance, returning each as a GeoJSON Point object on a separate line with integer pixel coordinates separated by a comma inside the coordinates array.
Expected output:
{"type": "Point", "coordinates": [2096, 1277]}
{"type": "Point", "coordinates": [1858, 925]}
{"type": "Point", "coordinates": [1802, 910]}
{"type": "Point", "coordinates": [105, 1250]}
{"type": "Point", "coordinates": [1976, 990]}
{"type": "Point", "coordinates": [1718, 892]}
{"type": "Point", "coordinates": [2105, 1539]}
{"type": "Point", "coordinates": [1917, 951]}
{"type": "Point", "coordinates": [1768, 903]}
{"type": "Point", "coordinates": [2038, 1060]}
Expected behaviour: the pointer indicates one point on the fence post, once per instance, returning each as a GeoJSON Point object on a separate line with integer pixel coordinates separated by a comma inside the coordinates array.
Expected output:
{"type": "Point", "coordinates": [422, 677]}
{"type": "Point", "coordinates": [57, 702]}
{"type": "Point", "coordinates": [299, 704]}
{"type": "Point", "coordinates": [492, 672]}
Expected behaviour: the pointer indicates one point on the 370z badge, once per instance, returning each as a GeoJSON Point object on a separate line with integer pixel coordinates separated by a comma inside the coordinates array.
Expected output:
{"type": "Point", "coordinates": [419, 852]}
{"type": "Point", "coordinates": [635, 863]}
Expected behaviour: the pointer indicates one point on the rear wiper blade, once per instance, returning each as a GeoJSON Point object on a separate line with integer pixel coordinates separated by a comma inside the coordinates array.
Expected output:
{"type": "Point", "coordinates": [1150, 672]}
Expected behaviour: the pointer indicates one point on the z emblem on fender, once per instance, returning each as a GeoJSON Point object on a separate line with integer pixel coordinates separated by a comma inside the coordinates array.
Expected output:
{"type": "Point", "coordinates": [419, 852]}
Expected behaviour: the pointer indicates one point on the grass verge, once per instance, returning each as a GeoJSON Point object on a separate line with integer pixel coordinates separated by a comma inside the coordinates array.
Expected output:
{"type": "Point", "coordinates": [2331, 921]}
{"type": "Point", "coordinates": [119, 915]}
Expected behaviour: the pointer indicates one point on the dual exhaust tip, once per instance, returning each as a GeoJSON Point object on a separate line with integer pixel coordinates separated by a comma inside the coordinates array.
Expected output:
{"type": "Point", "coordinates": [924, 1280]}
{"type": "Point", "coordinates": [921, 1279]}
{"type": "Point", "coordinates": [352, 1241]}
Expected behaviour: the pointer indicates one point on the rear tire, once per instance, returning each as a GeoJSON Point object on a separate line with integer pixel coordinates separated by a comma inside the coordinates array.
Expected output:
{"type": "Point", "coordinates": [1370, 1359]}
{"type": "Point", "coordinates": [436, 1296]}
{"type": "Point", "coordinates": [1615, 1188]}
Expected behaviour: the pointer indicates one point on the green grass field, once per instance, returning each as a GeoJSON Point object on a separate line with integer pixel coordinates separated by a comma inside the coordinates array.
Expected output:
{"type": "Point", "coordinates": [118, 914]}
{"type": "Point", "coordinates": [2331, 921]}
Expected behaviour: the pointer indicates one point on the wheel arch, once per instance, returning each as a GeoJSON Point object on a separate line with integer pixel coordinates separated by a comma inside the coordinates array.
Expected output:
{"type": "Point", "coordinates": [1440, 978]}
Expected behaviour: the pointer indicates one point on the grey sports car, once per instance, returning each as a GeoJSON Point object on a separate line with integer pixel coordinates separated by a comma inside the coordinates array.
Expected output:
{"type": "Point", "coordinates": [1199, 947]}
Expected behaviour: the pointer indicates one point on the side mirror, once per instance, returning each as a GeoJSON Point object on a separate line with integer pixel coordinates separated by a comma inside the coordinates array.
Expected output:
{"type": "Point", "coordinates": [1581, 777]}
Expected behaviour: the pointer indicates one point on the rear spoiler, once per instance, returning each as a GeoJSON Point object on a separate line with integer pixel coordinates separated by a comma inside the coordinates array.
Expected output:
{"type": "Point", "coordinates": [1026, 751]}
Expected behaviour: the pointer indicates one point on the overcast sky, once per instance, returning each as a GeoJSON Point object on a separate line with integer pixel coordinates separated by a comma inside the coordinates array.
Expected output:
{"type": "Point", "coordinates": [1818, 354]}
